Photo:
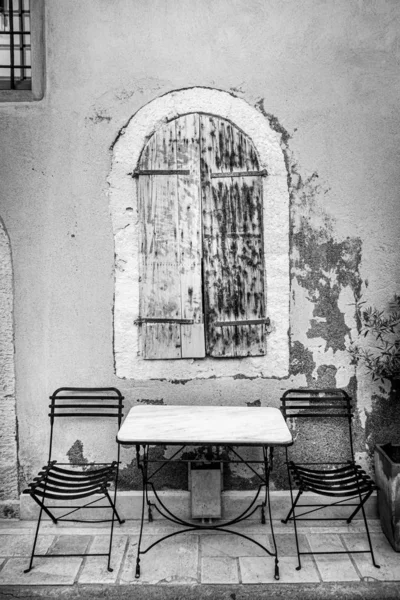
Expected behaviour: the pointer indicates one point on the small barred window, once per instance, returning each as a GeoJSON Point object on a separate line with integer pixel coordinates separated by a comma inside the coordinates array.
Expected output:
{"type": "Point", "coordinates": [22, 51]}
{"type": "Point", "coordinates": [15, 45]}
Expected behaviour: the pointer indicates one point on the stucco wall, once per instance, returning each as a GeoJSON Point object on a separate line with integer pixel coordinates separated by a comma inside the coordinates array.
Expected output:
{"type": "Point", "coordinates": [323, 74]}
{"type": "Point", "coordinates": [8, 432]}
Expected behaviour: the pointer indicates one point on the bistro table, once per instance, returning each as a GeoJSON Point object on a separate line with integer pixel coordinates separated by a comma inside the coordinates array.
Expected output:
{"type": "Point", "coordinates": [215, 427]}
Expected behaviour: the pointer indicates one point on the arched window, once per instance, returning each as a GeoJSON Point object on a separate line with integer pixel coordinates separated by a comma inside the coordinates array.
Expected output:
{"type": "Point", "coordinates": [201, 240]}
{"type": "Point", "coordinates": [202, 289]}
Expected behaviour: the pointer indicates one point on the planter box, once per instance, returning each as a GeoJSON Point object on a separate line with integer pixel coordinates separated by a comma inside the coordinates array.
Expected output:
{"type": "Point", "coordinates": [387, 473]}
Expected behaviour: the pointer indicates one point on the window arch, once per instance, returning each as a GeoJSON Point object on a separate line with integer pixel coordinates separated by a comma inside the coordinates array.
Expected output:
{"type": "Point", "coordinates": [273, 203]}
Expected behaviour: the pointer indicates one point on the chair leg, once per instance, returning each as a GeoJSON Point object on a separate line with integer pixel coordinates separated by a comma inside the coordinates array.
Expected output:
{"type": "Point", "coordinates": [111, 532]}
{"type": "Point", "coordinates": [292, 510]}
{"type": "Point", "coordinates": [353, 514]}
{"type": "Point", "coordinates": [43, 507]}
{"type": "Point", "coordinates": [35, 541]}
{"type": "Point", "coordinates": [112, 504]}
{"type": "Point", "coordinates": [369, 537]}
{"type": "Point", "coordinates": [292, 507]}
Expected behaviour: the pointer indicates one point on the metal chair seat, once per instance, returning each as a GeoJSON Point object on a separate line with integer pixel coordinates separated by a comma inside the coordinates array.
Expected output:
{"type": "Point", "coordinates": [68, 484]}
{"type": "Point", "coordinates": [341, 482]}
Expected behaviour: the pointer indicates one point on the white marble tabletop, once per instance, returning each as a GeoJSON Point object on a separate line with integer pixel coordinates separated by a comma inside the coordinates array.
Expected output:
{"type": "Point", "coordinates": [217, 425]}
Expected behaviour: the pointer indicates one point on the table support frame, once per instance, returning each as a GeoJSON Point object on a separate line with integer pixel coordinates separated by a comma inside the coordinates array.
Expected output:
{"type": "Point", "coordinates": [143, 460]}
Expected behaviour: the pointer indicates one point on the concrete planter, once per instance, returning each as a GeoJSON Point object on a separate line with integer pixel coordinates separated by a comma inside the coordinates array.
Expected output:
{"type": "Point", "coordinates": [387, 473]}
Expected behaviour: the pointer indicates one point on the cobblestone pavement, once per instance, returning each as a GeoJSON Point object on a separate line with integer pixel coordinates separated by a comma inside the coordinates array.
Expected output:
{"type": "Point", "coordinates": [194, 559]}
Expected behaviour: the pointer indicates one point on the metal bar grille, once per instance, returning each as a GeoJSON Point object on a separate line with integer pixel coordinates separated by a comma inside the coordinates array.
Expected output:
{"type": "Point", "coordinates": [15, 46]}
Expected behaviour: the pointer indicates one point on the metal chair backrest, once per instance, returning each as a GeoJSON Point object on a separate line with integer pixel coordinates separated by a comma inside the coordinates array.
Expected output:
{"type": "Point", "coordinates": [72, 402]}
{"type": "Point", "coordinates": [327, 403]}
{"type": "Point", "coordinates": [316, 403]}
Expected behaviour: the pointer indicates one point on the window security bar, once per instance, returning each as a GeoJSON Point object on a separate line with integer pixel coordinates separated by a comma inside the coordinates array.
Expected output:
{"type": "Point", "coordinates": [15, 46]}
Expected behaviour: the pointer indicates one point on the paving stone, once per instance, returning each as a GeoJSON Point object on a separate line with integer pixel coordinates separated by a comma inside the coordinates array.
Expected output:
{"type": "Point", "coordinates": [385, 556]}
{"type": "Point", "coordinates": [95, 567]}
{"type": "Point", "coordinates": [332, 567]}
{"type": "Point", "coordinates": [70, 544]}
{"type": "Point", "coordinates": [286, 544]}
{"type": "Point", "coordinates": [174, 560]}
{"type": "Point", "coordinates": [219, 569]}
{"type": "Point", "coordinates": [46, 571]}
{"type": "Point", "coordinates": [259, 569]}
{"type": "Point", "coordinates": [21, 545]}
{"type": "Point", "coordinates": [234, 545]}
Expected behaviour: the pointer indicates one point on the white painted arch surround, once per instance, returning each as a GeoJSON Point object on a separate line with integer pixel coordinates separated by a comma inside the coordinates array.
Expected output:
{"type": "Point", "coordinates": [129, 363]}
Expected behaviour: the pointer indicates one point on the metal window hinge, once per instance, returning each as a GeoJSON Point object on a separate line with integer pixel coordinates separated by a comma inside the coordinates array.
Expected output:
{"type": "Point", "coordinates": [138, 172]}
{"type": "Point", "coordinates": [266, 322]}
{"type": "Point", "coordinates": [263, 173]}
{"type": "Point", "coordinates": [141, 320]}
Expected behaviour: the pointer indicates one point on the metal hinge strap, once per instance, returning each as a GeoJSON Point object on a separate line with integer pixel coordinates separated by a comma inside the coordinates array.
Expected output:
{"type": "Point", "coordinates": [160, 172]}
{"type": "Point", "coordinates": [265, 321]}
{"type": "Point", "coordinates": [141, 320]}
{"type": "Point", "coordinates": [263, 173]}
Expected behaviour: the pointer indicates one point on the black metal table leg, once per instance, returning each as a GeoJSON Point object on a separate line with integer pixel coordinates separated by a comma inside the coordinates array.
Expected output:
{"type": "Point", "coordinates": [142, 465]}
{"type": "Point", "coordinates": [187, 526]}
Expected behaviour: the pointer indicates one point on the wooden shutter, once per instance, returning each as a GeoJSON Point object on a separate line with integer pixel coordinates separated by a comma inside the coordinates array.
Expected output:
{"type": "Point", "coordinates": [171, 311]}
{"type": "Point", "coordinates": [233, 254]}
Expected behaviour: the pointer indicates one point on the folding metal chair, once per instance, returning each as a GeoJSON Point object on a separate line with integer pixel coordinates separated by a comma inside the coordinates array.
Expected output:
{"type": "Point", "coordinates": [339, 476]}
{"type": "Point", "coordinates": [73, 481]}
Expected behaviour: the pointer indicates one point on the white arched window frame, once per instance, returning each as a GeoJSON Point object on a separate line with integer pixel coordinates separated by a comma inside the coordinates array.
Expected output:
{"type": "Point", "coordinates": [126, 227]}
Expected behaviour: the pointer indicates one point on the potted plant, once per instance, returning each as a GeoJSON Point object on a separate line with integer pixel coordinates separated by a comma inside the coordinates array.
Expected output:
{"type": "Point", "coordinates": [379, 352]}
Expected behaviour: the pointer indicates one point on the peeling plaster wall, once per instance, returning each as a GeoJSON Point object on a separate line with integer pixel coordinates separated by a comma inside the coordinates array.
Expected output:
{"type": "Point", "coordinates": [324, 76]}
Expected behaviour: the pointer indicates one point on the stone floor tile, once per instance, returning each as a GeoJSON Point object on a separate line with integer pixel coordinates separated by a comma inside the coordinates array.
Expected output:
{"type": "Point", "coordinates": [70, 544]}
{"type": "Point", "coordinates": [356, 526]}
{"type": "Point", "coordinates": [174, 560]}
{"type": "Point", "coordinates": [234, 545]}
{"type": "Point", "coordinates": [46, 571]}
{"type": "Point", "coordinates": [385, 556]}
{"type": "Point", "coordinates": [286, 544]}
{"type": "Point", "coordinates": [21, 545]}
{"type": "Point", "coordinates": [95, 567]}
{"type": "Point", "coordinates": [332, 567]}
{"type": "Point", "coordinates": [219, 569]}
{"type": "Point", "coordinates": [259, 569]}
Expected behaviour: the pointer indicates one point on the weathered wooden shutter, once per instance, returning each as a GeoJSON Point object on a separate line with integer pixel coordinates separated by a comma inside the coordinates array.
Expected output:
{"type": "Point", "coordinates": [233, 257]}
{"type": "Point", "coordinates": [171, 311]}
